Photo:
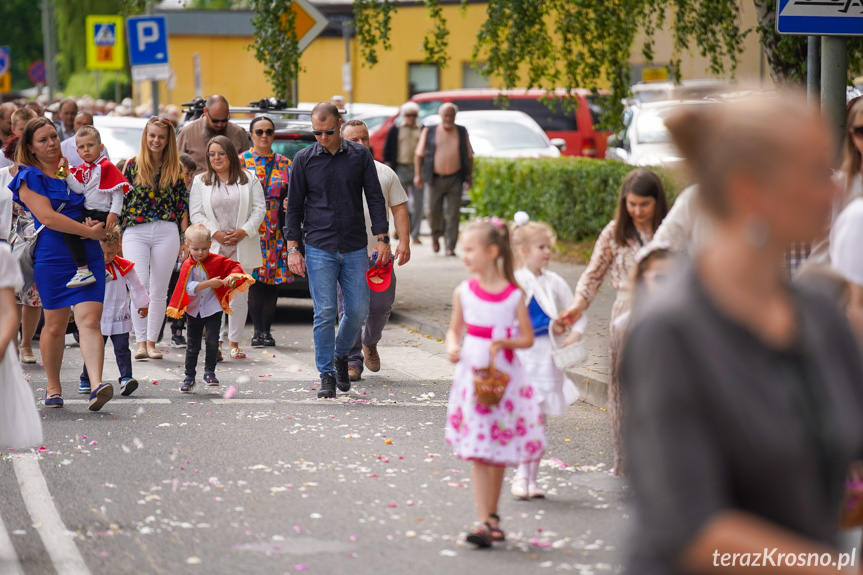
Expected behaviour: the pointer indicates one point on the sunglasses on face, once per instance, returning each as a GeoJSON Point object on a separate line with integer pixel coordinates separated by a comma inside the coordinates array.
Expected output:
{"type": "Point", "coordinates": [411, 115]}
{"type": "Point", "coordinates": [215, 120]}
{"type": "Point", "coordinates": [260, 133]}
{"type": "Point", "coordinates": [857, 131]}
{"type": "Point", "coordinates": [213, 155]}
{"type": "Point", "coordinates": [325, 132]}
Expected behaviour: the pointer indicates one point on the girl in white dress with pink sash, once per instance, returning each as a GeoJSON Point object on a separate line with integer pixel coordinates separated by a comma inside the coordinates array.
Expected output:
{"type": "Point", "coordinates": [487, 311]}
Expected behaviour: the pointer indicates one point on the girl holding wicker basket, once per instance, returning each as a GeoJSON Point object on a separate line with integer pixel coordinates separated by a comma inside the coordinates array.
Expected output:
{"type": "Point", "coordinates": [493, 419]}
{"type": "Point", "coordinates": [554, 350]}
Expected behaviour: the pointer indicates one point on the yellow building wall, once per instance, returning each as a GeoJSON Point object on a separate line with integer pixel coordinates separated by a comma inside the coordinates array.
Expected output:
{"type": "Point", "coordinates": [229, 68]}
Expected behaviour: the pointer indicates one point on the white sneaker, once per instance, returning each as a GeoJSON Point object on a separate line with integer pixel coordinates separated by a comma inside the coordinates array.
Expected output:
{"type": "Point", "coordinates": [81, 278]}
{"type": "Point", "coordinates": [535, 491]}
{"type": "Point", "coordinates": [519, 488]}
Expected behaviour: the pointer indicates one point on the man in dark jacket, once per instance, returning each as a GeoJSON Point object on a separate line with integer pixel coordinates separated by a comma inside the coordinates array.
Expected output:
{"type": "Point", "coordinates": [399, 154]}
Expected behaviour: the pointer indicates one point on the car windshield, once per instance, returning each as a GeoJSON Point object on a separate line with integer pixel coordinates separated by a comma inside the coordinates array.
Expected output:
{"type": "Point", "coordinates": [503, 135]}
{"type": "Point", "coordinates": [650, 126]}
{"type": "Point", "coordinates": [121, 142]}
{"type": "Point", "coordinates": [289, 148]}
{"type": "Point", "coordinates": [428, 108]}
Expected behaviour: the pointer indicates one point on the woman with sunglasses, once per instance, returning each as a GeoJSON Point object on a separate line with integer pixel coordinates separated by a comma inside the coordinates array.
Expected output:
{"type": "Point", "coordinates": [155, 211]}
{"type": "Point", "coordinates": [230, 202]}
{"type": "Point", "coordinates": [273, 172]}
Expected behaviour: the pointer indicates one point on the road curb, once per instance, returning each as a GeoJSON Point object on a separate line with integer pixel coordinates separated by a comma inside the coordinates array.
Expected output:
{"type": "Point", "coordinates": [592, 387]}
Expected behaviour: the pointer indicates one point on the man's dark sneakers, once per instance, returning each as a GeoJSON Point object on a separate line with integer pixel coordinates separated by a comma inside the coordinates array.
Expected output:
{"type": "Point", "coordinates": [328, 386]}
{"type": "Point", "coordinates": [343, 378]}
{"type": "Point", "coordinates": [188, 384]}
{"type": "Point", "coordinates": [268, 339]}
{"type": "Point", "coordinates": [257, 340]}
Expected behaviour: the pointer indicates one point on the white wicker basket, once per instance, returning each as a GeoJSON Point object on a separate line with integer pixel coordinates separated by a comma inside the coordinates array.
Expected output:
{"type": "Point", "coordinates": [567, 357]}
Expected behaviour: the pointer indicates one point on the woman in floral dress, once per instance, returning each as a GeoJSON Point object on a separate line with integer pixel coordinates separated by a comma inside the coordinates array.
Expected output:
{"type": "Point", "coordinates": [273, 171]}
{"type": "Point", "coordinates": [640, 210]}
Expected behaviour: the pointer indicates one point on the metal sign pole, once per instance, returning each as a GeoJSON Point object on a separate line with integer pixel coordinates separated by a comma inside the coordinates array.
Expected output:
{"type": "Point", "coordinates": [154, 85]}
{"type": "Point", "coordinates": [813, 70]}
{"type": "Point", "coordinates": [834, 80]}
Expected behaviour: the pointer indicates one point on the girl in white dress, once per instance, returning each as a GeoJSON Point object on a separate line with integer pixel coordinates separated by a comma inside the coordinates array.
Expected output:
{"type": "Point", "coordinates": [20, 425]}
{"type": "Point", "coordinates": [546, 293]}
{"type": "Point", "coordinates": [486, 312]}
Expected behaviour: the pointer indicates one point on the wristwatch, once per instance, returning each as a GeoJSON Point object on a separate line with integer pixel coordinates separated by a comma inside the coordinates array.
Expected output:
{"type": "Point", "coordinates": [384, 239]}
{"type": "Point", "coordinates": [293, 250]}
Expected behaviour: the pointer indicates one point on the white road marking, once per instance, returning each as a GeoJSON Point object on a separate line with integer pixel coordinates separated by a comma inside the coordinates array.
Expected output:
{"type": "Point", "coordinates": [8, 558]}
{"type": "Point", "coordinates": [57, 540]}
{"type": "Point", "coordinates": [116, 402]}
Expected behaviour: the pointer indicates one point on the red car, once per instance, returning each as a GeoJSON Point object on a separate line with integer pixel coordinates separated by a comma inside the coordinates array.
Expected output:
{"type": "Point", "coordinates": [577, 127]}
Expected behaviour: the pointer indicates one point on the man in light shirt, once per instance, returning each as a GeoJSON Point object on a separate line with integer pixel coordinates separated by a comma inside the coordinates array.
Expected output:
{"type": "Point", "coordinates": [365, 350]}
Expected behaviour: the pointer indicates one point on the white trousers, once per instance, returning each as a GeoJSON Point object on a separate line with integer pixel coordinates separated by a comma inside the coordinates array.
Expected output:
{"type": "Point", "coordinates": [236, 322]}
{"type": "Point", "coordinates": [153, 248]}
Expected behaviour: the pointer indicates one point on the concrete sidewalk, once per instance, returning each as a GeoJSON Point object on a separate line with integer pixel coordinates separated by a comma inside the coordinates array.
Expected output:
{"type": "Point", "coordinates": [424, 302]}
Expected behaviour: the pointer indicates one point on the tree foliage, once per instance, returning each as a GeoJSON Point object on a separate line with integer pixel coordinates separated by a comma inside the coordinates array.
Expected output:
{"type": "Point", "coordinates": [22, 32]}
{"type": "Point", "coordinates": [275, 43]}
{"type": "Point", "coordinates": [587, 43]}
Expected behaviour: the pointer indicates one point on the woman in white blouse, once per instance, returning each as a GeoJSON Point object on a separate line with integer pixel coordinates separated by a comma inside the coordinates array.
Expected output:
{"type": "Point", "coordinates": [230, 202]}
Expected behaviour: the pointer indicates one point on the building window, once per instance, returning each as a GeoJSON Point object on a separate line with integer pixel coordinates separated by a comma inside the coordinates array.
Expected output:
{"type": "Point", "coordinates": [471, 76]}
{"type": "Point", "coordinates": [423, 78]}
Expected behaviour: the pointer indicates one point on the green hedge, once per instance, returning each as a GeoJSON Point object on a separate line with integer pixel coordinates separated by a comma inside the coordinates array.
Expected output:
{"type": "Point", "coordinates": [576, 196]}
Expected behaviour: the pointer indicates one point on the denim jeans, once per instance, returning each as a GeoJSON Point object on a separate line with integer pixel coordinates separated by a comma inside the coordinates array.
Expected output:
{"type": "Point", "coordinates": [380, 308]}
{"type": "Point", "coordinates": [329, 271]}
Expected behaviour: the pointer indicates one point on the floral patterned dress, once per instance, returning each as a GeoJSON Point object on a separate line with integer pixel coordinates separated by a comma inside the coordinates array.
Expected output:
{"type": "Point", "coordinates": [610, 257]}
{"type": "Point", "coordinates": [274, 172]}
{"type": "Point", "coordinates": [142, 204]}
{"type": "Point", "coordinates": [512, 431]}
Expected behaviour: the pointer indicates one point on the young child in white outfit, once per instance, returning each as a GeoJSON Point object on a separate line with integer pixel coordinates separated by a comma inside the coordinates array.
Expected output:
{"type": "Point", "coordinates": [546, 294]}
{"type": "Point", "coordinates": [116, 313]}
{"type": "Point", "coordinates": [103, 186]}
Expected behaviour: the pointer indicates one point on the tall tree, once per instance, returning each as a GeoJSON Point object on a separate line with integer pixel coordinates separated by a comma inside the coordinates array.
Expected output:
{"type": "Point", "coordinates": [275, 43]}
{"type": "Point", "coordinates": [72, 32]}
{"type": "Point", "coordinates": [587, 43]}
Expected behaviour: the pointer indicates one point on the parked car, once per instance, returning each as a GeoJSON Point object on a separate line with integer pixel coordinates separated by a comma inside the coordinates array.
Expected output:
{"type": "Point", "coordinates": [645, 141]}
{"type": "Point", "coordinates": [577, 127]}
{"type": "Point", "coordinates": [644, 92]}
{"type": "Point", "coordinates": [505, 134]}
{"type": "Point", "coordinates": [121, 135]}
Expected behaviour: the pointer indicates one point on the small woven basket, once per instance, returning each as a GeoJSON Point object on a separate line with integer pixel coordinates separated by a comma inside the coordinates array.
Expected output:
{"type": "Point", "coordinates": [569, 356]}
{"type": "Point", "coordinates": [489, 384]}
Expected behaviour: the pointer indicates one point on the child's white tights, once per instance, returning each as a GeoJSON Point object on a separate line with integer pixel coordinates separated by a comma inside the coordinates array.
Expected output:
{"type": "Point", "coordinates": [529, 470]}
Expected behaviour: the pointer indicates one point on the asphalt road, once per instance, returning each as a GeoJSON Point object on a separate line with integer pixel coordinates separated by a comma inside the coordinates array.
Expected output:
{"type": "Point", "coordinates": [273, 481]}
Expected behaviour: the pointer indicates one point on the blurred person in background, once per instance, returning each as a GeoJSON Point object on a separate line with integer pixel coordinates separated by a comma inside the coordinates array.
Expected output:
{"type": "Point", "coordinates": [65, 118]}
{"type": "Point", "coordinates": [444, 162]}
{"type": "Point", "coordinates": [641, 207]}
{"type": "Point", "coordinates": [338, 101]}
{"type": "Point", "coordinates": [399, 150]}
{"type": "Point", "coordinates": [154, 215]}
{"type": "Point", "coordinates": [273, 172]}
{"type": "Point", "coordinates": [173, 114]}
{"type": "Point", "coordinates": [36, 107]}
{"type": "Point", "coordinates": [6, 110]}
{"type": "Point", "coordinates": [743, 391]}
{"type": "Point", "coordinates": [69, 147]}
{"type": "Point", "coordinates": [216, 121]}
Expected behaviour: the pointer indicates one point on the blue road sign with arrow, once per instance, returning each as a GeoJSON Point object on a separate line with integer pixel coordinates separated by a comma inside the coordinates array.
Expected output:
{"type": "Point", "coordinates": [820, 17]}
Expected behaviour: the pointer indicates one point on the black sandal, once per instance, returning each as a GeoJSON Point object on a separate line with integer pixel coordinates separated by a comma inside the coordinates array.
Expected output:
{"type": "Point", "coordinates": [481, 537]}
{"type": "Point", "coordinates": [495, 532]}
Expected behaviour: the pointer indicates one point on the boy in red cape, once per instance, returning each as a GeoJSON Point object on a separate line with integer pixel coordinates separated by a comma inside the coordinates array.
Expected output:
{"type": "Point", "coordinates": [204, 290]}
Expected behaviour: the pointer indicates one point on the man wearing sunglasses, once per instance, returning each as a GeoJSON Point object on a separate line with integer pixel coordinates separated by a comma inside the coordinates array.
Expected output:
{"type": "Point", "coordinates": [216, 121]}
{"type": "Point", "coordinates": [329, 180]}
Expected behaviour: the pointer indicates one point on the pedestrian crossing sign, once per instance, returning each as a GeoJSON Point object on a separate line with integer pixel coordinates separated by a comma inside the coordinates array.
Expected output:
{"type": "Point", "coordinates": [820, 17]}
{"type": "Point", "coordinates": [106, 49]}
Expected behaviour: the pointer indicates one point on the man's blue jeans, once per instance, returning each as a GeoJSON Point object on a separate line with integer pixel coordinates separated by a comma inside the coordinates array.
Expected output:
{"type": "Point", "coordinates": [329, 271]}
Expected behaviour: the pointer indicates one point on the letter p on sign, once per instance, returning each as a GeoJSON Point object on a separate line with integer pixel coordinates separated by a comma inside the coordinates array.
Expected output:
{"type": "Point", "coordinates": [148, 33]}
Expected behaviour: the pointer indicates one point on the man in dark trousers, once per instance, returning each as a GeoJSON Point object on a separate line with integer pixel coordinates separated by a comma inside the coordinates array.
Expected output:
{"type": "Point", "coordinates": [325, 203]}
{"type": "Point", "coordinates": [444, 161]}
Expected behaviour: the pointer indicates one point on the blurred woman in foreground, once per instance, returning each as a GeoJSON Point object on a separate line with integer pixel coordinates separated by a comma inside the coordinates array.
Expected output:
{"type": "Point", "coordinates": [744, 391]}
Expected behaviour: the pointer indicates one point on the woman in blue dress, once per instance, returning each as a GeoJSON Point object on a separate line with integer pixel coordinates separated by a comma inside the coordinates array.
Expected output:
{"type": "Point", "coordinates": [49, 200]}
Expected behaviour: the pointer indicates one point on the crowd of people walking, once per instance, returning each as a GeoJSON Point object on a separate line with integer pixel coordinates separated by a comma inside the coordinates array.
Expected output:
{"type": "Point", "coordinates": [735, 363]}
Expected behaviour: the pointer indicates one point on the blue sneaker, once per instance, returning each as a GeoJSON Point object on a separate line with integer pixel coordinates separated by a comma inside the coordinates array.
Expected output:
{"type": "Point", "coordinates": [188, 384]}
{"type": "Point", "coordinates": [128, 385]}
{"type": "Point", "coordinates": [101, 396]}
{"type": "Point", "coordinates": [84, 386]}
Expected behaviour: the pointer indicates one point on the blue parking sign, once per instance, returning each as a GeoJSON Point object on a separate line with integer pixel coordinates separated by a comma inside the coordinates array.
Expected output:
{"type": "Point", "coordinates": [148, 40]}
{"type": "Point", "coordinates": [820, 17]}
{"type": "Point", "coordinates": [5, 59]}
